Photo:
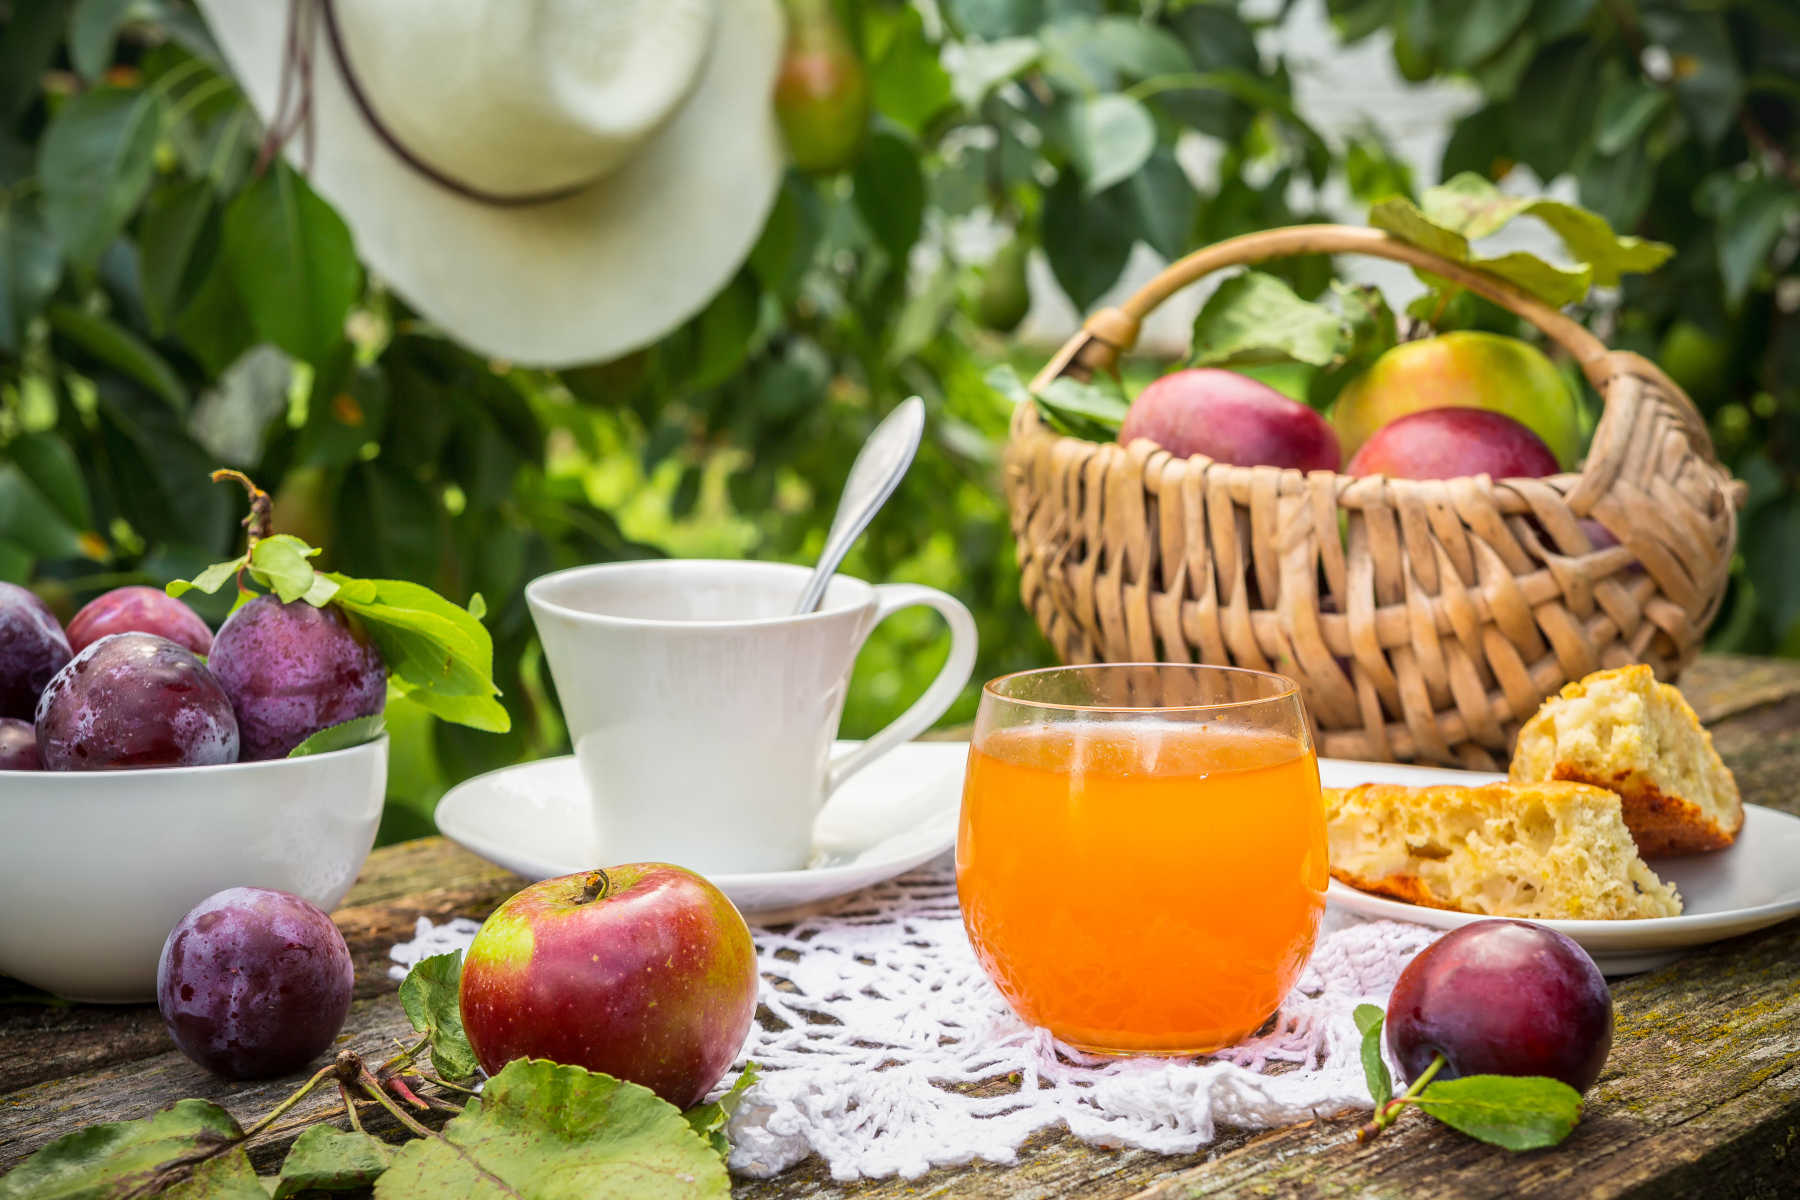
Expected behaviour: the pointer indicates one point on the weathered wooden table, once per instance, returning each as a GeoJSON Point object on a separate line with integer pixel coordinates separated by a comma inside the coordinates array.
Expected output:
{"type": "Point", "coordinates": [1701, 1096]}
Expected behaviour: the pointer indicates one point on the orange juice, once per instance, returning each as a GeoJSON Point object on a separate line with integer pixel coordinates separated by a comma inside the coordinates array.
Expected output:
{"type": "Point", "coordinates": [1134, 886]}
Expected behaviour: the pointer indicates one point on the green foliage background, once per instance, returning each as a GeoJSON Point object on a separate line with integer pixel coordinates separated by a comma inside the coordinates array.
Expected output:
{"type": "Point", "coordinates": [165, 307]}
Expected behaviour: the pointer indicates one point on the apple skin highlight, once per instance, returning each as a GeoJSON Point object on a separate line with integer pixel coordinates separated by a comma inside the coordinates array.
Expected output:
{"type": "Point", "coordinates": [653, 979]}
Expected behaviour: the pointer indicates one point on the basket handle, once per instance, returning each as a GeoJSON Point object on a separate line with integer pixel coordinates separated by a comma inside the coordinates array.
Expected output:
{"type": "Point", "coordinates": [1112, 331]}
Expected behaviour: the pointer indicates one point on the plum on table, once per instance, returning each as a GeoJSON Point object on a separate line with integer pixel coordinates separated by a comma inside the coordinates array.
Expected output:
{"type": "Point", "coordinates": [135, 700]}
{"type": "Point", "coordinates": [293, 669]}
{"type": "Point", "coordinates": [1502, 998]}
{"type": "Point", "coordinates": [254, 983]}
{"type": "Point", "coordinates": [33, 648]}
{"type": "Point", "coordinates": [139, 609]}
{"type": "Point", "coordinates": [18, 746]}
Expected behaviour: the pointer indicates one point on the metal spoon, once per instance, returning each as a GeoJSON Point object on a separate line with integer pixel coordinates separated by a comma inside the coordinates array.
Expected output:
{"type": "Point", "coordinates": [877, 471]}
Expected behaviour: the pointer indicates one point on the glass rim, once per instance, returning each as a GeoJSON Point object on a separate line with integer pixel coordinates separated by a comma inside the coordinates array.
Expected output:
{"type": "Point", "coordinates": [1289, 688]}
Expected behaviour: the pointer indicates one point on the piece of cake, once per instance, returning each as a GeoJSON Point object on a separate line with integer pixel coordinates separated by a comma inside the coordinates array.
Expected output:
{"type": "Point", "coordinates": [1536, 850]}
{"type": "Point", "coordinates": [1624, 731]}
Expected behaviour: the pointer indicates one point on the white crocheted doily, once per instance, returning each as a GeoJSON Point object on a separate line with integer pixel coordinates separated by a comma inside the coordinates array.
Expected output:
{"type": "Point", "coordinates": [882, 1017]}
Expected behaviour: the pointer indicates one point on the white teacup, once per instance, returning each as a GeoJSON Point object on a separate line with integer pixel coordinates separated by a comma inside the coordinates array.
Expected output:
{"type": "Point", "coordinates": [703, 713]}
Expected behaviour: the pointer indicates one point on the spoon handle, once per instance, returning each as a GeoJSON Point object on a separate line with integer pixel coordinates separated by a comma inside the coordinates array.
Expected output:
{"type": "Point", "coordinates": [877, 471]}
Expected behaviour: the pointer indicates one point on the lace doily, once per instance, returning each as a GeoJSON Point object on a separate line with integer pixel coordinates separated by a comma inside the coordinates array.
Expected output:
{"type": "Point", "coordinates": [883, 1017]}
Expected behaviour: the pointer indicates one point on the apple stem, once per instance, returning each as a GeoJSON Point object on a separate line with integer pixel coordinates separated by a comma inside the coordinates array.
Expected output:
{"type": "Point", "coordinates": [594, 887]}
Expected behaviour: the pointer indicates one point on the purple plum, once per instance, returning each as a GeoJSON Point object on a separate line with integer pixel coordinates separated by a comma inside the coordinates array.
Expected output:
{"type": "Point", "coordinates": [254, 983]}
{"type": "Point", "coordinates": [18, 746]}
{"type": "Point", "coordinates": [294, 669]}
{"type": "Point", "coordinates": [139, 609]}
{"type": "Point", "coordinates": [32, 649]}
{"type": "Point", "coordinates": [135, 700]}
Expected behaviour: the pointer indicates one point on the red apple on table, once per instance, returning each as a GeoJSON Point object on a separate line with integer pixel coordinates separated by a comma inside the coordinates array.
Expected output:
{"type": "Point", "coordinates": [1231, 418]}
{"type": "Point", "coordinates": [643, 971]}
{"type": "Point", "coordinates": [1449, 443]}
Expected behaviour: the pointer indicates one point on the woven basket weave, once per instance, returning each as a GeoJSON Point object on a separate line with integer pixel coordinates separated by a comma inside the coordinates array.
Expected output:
{"type": "Point", "coordinates": [1446, 610]}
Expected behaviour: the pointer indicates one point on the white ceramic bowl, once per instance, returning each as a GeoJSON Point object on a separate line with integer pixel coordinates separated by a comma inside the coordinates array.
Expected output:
{"type": "Point", "coordinates": [97, 866]}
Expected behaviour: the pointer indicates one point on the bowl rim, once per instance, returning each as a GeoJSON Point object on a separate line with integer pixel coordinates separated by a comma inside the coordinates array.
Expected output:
{"type": "Point", "coordinates": [212, 769]}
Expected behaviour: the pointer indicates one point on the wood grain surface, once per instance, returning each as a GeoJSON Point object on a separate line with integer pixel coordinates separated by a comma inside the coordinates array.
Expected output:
{"type": "Point", "coordinates": [1701, 1096]}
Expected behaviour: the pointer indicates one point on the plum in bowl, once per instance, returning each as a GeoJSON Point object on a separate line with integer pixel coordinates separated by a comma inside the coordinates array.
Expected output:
{"type": "Point", "coordinates": [100, 865]}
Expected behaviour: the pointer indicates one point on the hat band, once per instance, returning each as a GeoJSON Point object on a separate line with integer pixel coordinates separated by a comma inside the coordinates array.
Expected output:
{"type": "Point", "coordinates": [296, 81]}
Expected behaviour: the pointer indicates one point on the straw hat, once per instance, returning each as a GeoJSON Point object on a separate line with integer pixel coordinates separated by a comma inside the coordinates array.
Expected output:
{"type": "Point", "coordinates": [552, 181]}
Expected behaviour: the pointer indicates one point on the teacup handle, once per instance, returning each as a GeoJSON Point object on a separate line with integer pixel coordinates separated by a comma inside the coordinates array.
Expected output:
{"type": "Point", "coordinates": [890, 598]}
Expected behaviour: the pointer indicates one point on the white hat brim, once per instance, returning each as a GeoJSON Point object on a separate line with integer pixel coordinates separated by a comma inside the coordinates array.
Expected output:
{"type": "Point", "coordinates": [582, 279]}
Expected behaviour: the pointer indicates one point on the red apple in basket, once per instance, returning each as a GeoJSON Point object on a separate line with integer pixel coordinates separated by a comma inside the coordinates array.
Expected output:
{"type": "Point", "coordinates": [643, 971]}
{"type": "Point", "coordinates": [1231, 418]}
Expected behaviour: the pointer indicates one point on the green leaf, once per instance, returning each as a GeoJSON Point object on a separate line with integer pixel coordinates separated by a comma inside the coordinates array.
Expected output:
{"type": "Point", "coordinates": [1256, 318]}
{"type": "Point", "coordinates": [1091, 410]}
{"type": "Point", "coordinates": [31, 37]}
{"type": "Point", "coordinates": [211, 579]}
{"type": "Point", "coordinates": [1627, 108]}
{"type": "Point", "coordinates": [907, 83]}
{"type": "Point", "coordinates": [342, 736]}
{"type": "Point", "coordinates": [890, 193]}
{"type": "Point", "coordinates": [1086, 238]}
{"type": "Point", "coordinates": [92, 30]}
{"type": "Point", "coordinates": [228, 1176]}
{"type": "Point", "coordinates": [1109, 138]}
{"type": "Point", "coordinates": [1747, 232]}
{"type": "Point", "coordinates": [291, 259]}
{"type": "Point", "coordinates": [47, 461]}
{"type": "Point", "coordinates": [996, 18]}
{"type": "Point", "coordinates": [122, 1157]}
{"type": "Point", "coordinates": [709, 1119]}
{"type": "Point", "coordinates": [1519, 1112]}
{"type": "Point", "coordinates": [439, 653]}
{"type": "Point", "coordinates": [430, 997]}
{"type": "Point", "coordinates": [120, 349]}
{"type": "Point", "coordinates": [324, 1159]}
{"type": "Point", "coordinates": [1163, 203]}
{"type": "Point", "coordinates": [280, 564]}
{"type": "Point", "coordinates": [1480, 29]}
{"type": "Point", "coordinates": [178, 243]}
{"type": "Point", "coordinates": [559, 1133]}
{"type": "Point", "coordinates": [1708, 83]}
{"type": "Point", "coordinates": [30, 269]}
{"type": "Point", "coordinates": [980, 67]}
{"type": "Point", "coordinates": [29, 519]}
{"type": "Point", "coordinates": [94, 165]}
{"type": "Point", "coordinates": [1134, 48]}
{"type": "Point", "coordinates": [1469, 208]}
{"type": "Point", "coordinates": [1368, 1022]}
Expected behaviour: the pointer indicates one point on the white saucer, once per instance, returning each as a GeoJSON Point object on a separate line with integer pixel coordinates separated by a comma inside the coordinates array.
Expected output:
{"type": "Point", "coordinates": [898, 812]}
{"type": "Point", "coordinates": [1750, 885]}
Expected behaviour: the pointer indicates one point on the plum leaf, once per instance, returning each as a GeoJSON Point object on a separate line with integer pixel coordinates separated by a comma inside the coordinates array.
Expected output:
{"type": "Point", "coordinates": [430, 996]}
{"type": "Point", "coordinates": [341, 736]}
{"type": "Point", "coordinates": [148, 1156]}
{"type": "Point", "coordinates": [549, 1131]}
{"type": "Point", "coordinates": [1256, 318]}
{"type": "Point", "coordinates": [1092, 409]}
{"type": "Point", "coordinates": [709, 1119]}
{"type": "Point", "coordinates": [325, 1159]}
{"type": "Point", "coordinates": [1519, 1112]}
{"type": "Point", "coordinates": [1381, 1085]}
{"type": "Point", "coordinates": [1466, 209]}
{"type": "Point", "coordinates": [211, 579]}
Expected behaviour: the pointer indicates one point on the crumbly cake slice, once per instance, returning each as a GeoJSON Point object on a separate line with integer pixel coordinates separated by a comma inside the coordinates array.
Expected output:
{"type": "Point", "coordinates": [1624, 731]}
{"type": "Point", "coordinates": [1540, 850]}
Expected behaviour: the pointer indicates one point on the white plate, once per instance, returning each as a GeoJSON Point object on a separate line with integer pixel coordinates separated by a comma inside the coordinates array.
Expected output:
{"type": "Point", "coordinates": [894, 814]}
{"type": "Point", "coordinates": [1750, 885]}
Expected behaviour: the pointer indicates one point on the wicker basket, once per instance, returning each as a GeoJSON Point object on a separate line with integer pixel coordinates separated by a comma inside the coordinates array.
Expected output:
{"type": "Point", "coordinates": [1446, 612]}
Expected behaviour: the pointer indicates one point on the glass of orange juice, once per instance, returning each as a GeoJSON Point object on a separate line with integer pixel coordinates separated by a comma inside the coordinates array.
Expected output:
{"type": "Point", "coordinates": [1142, 858]}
